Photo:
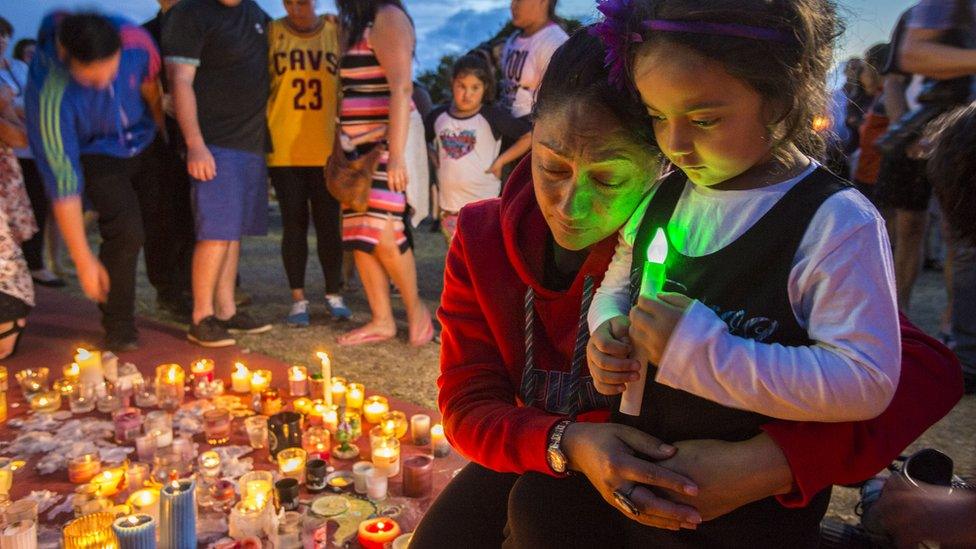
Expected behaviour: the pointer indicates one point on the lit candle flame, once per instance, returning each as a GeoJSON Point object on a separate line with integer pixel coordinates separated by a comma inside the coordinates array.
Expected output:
{"type": "Point", "coordinates": [240, 369]}
{"type": "Point", "coordinates": [657, 251]}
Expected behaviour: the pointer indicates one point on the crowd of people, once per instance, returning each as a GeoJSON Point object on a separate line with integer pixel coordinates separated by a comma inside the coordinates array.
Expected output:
{"type": "Point", "coordinates": [717, 406]}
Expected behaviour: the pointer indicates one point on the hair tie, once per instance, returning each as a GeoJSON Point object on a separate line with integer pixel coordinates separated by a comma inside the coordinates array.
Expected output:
{"type": "Point", "coordinates": [613, 31]}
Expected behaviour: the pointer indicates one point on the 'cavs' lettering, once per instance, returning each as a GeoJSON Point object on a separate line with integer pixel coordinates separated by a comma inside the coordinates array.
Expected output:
{"type": "Point", "coordinates": [304, 60]}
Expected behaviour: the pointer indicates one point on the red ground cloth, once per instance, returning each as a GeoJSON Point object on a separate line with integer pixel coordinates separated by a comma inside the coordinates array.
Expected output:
{"type": "Point", "coordinates": [60, 323]}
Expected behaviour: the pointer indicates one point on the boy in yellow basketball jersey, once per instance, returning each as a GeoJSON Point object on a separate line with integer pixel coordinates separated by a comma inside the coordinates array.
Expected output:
{"type": "Point", "coordinates": [303, 60]}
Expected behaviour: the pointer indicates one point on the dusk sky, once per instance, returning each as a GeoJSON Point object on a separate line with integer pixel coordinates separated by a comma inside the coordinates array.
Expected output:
{"type": "Point", "coordinates": [453, 26]}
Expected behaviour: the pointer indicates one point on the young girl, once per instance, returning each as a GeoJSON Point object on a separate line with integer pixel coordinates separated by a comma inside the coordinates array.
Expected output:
{"type": "Point", "coordinates": [468, 136]}
{"type": "Point", "coordinates": [779, 298]}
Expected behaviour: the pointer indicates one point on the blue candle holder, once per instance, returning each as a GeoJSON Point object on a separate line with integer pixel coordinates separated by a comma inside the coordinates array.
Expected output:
{"type": "Point", "coordinates": [178, 515]}
{"type": "Point", "coordinates": [135, 532]}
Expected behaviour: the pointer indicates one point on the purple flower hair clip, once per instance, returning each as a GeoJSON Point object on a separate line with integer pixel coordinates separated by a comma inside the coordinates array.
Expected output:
{"type": "Point", "coordinates": [617, 38]}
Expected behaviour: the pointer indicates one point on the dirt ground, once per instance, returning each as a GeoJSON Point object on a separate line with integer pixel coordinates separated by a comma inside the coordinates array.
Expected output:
{"type": "Point", "coordinates": [410, 373]}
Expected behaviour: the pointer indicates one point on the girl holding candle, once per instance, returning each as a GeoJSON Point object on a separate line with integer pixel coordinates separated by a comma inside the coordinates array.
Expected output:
{"type": "Point", "coordinates": [540, 243]}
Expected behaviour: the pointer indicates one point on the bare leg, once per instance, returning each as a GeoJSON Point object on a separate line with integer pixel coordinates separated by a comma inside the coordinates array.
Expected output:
{"type": "Point", "coordinates": [402, 269]}
{"type": "Point", "coordinates": [910, 237]}
{"type": "Point", "coordinates": [208, 262]}
{"type": "Point", "coordinates": [377, 288]}
{"type": "Point", "coordinates": [224, 303]}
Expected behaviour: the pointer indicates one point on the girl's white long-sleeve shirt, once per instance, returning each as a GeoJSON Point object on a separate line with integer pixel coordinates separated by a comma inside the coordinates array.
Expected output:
{"type": "Point", "coordinates": [842, 291]}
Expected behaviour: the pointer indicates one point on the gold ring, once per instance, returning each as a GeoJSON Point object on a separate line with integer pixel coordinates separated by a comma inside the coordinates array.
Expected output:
{"type": "Point", "coordinates": [624, 501]}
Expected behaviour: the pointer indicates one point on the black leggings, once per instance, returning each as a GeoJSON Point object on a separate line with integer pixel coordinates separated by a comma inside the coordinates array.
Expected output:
{"type": "Point", "coordinates": [297, 188]}
{"type": "Point", "coordinates": [34, 248]}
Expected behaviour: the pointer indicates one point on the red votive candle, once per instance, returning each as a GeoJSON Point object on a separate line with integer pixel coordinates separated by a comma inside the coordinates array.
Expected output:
{"type": "Point", "coordinates": [418, 476]}
{"type": "Point", "coordinates": [376, 533]}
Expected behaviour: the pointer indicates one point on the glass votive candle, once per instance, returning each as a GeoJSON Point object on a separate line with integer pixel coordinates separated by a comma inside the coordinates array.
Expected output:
{"type": "Point", "coordinates": [136, 476]}
{"type": "Point", "coordinates": [257, 431]}
{"type": "Point", "coordinates": [291, 463]}
{"type": "Point", "coordinates": [89, 532]}
{"type": "Point", "coordinates": [146, 447]}
{"type": "Point", "coordinates": [317, 441]}
{"type": "Point", "coordinates": [108, 482]}
{"type": "Point", "coordinates": [83, 468]}
{"type": "Point", "coordinates": [186, 448]}
{"type": "Point", "coordinates": [246, 521]}
{"type": "Point", "coordinates": [271, 402]}
{"type": "Point", "coordinates": [46, 401]}
{"type": "Point", "coordinates": [298, 381]}
{"type": "Point", "coordinates": [106, 401]}
{"type": "Point", "coordinates": [360, 471]}
{"type": "Point", "coordinates": [386, 455]}
{"type": "Point", "coordinates": [168, 465]}
{"type": "Point", "coordinates": [438, 441]}
{"type": "Point", "coordinates": [376, 484]}
{"type": "Point", "coordinates": [338, 390]}
{"type": "Point", "coordinates": [374, 407]}
{"type": "Point", "coordinates": [394, 424]}
{"type": "Point", "coordinates": [63, 386]}
{"type": "Point", "coordinates": [355, 394]}
{"type": "Point", "coordinates": [318, 388]}
{"type": "Point", "coordinates": [376, 434]}
{"type": "Point", "coordinates": [216, 426]}
{"type": "Point", "coordinates": [329, 415]}
{"type": "Point", "coordinates": [256, 488]}
{"type": "Point", "coordinates": [302, 405]}
{"type": "Point", "coordinates": [145, 501]}
{"type": "Point", "coordinates": [202, 369]}
{"type": "Point", "coordinates": [145, 394]}
{"type": "Point", "coordinates": [32, 380]}
{"type": "Point", "coordinates": [260, 380]}
{"type": "Point", "coordinates": [208, 464]}
{"type": "Point", "coordinates": [420, 429]}
{"type": "Point", "coordinates": [128, 424]}
{"type": "Point", "coordinates": [170, 386]}
{"type": "Point", "coordinates": [159, 424]}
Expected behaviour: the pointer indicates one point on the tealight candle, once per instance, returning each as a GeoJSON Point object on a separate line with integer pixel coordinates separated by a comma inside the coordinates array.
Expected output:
{"type": "Point", "coordinates": [376, 533]}
{"type": "Point", "coordinates": [170, 386]}
{"type": "Point", "coordinates": [257, 431]}
{"type": "Point", "coordinates": [394, 424]}
{"type": "Point", "coordinates": [246, 521]}
{"type": "Point", "coordinates": [89, 532]}
{"type": "Point", "coordinates": [240, 380]}
{"type": "Point", "coordinates": [32, 380]}
{"type": "Point", "coordinates": [177, 515]}
{"type": "Point", "coordinates": [64, 386]}
{"type": "Point", "coordinates": [106, 402]}
{"type": "Point", "coordinates": [83, 468]}
{"type": "Point", "coordinates": [291, 463]}
{"type": "Point", "coordinates": [386, 455]}
{"type": "Point", "coordinates": [145, 501]}
{"type": "Point", "coordinates": [203, 369]}
{"type": "Point", "coordinates": [375, 434]}
{"type": "Point", "coordinates": [209, 464]}
{"type": "Point", "coordinates": [420, 429]}
{"type": "Point", "coordinates": [260, 380]}
{"type": "Point", "coordinates": [438, 441]}
{"type": "Point", "coordinates": [325, 415]}
{"type": "Point", "coordinates": [135, 532]}
{"type": "Point", "coordinates": [135, 477]}
{"type": "Point", "coordinates": [316, 441]}
{"type": "Point", "coordinates": [302, 405]}
{"type": "Point", "coordinates": [374, 408]}
{"type": "Point", "coordinates": [216, 426]}
{"type": "Point", "coordinates": [109, 482]}
{"type": "Point", "coordinates": [46, 401]}
{"type": "Point", "coordinates": [256, 488]}
{"type": "Point", "coordinates": [270, 402]}
{"type": "Point", "coordinates": [159, 424]}
{"type": "Point", "coordinates": [298, 381]}
{"type": "Point", "coordinates": [324, 378]}
{"type": "Point", "coordinates": [355, 393]}
{"type": "Point", "coordinates": [71, 372]}
{"type": "Point", "coordinates": [338, 390]}
{"type": "Point", "coordinates": [89, 366]}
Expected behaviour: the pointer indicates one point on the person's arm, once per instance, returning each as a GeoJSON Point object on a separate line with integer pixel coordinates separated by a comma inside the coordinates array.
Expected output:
{"type": "Point", "coordinates": [68, 214]}
{"type": "Point", "coordinates": [923, 54]}
{"type": "Point", "coordinates": [392, 40]}
{"type": "Point", "coordinates": [895, 102]}
{"type": "Point", "coordinates": [152, 94]}
{"type": "Point", "coordinates": [199, 162]}
{"type": "Point", "coordinates": [12, 131]}
{"type": "Point", "coordinates": [511, 154]}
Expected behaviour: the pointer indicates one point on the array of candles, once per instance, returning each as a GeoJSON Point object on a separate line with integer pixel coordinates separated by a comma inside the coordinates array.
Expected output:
{"type": "Point", "coordinates": [161, 494]}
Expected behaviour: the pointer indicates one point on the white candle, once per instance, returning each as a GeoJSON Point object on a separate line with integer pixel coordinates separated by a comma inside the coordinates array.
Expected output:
{"type": "Point", "coordinates": [326, 375]}
{"type": "Point", "coordinates": [260, 380]}
{"type": "Point", "coordinates": [89, 366]}
{"type": "Point", "coordinates": [420, 429]}
{"type": "Point", "coordinates": [19, 535]}
{"type": "Point", "coordinates": [374, 408]}
{"type": "Point", "coordinates": [386, 456]}
{"type": "Point", "coordinates": [376, 483]}
{"type": "Point", "coordinates": [298, 381]}
{"type": "Point", "coordinates": [240, 380]}
{"type": "Point", "coordinates": [360, 471]}
{"type": "Point", "coordinates": [438, 441]}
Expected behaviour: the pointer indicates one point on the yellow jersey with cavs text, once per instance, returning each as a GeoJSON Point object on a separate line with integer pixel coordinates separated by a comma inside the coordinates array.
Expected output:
{"type": "Point", "coordinates": [304, 93]}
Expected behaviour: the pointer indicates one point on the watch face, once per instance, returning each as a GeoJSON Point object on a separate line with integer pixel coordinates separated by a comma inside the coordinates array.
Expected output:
{"type": "Point", "coordinates": [557, 461]}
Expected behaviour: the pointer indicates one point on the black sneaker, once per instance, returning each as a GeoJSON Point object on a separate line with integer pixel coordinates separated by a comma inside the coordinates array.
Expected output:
{"type": "Point", "coordinates": [243, 323]}
{"type": "Point", "coordinates": [121, 341]}
{"type": "Point", "coordinates": [210, 332]}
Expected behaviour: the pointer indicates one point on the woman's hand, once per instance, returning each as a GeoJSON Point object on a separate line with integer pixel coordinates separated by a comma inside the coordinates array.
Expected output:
{"type": "Point", "coordinates": [607, 454]}
{"type": "Point", "coordinates": [729, 474]}
{"type": "Point", "coordinates": [608, 357]}
{"type": "Point", "coordinates": [653, 320]}
{"type": "Point", "coordinates": [396, 173]}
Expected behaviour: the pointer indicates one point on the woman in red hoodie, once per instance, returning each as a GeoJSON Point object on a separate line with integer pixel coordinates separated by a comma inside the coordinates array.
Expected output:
{"type": "Point", "coordinates": [514, 391]}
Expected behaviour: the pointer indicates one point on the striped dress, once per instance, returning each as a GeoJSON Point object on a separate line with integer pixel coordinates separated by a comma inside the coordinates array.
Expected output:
{"type": "Point", "coordinates": [366, 107]}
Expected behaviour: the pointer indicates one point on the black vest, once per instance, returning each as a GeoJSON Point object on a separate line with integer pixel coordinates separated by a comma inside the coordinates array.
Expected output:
{"type": "Point", "coordinates": [745, 283]}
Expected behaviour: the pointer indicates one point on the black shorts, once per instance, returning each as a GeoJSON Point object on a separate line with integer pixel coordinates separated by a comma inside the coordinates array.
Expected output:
{"type": "Point", "coordinates": [12, 308]}
{"type": "Point", "coordinates": [902, 184]}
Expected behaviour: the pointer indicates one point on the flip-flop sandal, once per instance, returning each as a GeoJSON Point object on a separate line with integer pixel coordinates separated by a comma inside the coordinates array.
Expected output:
{"type": "Point", "coordinates": [363, 339]}
{"type": "Point", "coordinates": [428, 336]}
{"type": "Point", "coordinates": [17, 330]}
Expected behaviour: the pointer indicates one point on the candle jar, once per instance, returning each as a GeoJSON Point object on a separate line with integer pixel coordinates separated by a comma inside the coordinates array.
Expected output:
{"type": "Point", "coordinates": [316, 441]}
{"type": "Point", "coordinates": [136, 476]}
{"type": "Point", "coordinates": [216, 426]}
{"type": "Point", "coordinates": [32, 381]}
{"type": "Point", "coordinates": [290, 531]}
{"type": "Point", "coordinates": [377, 533]}
{"type": "Point", "coordinates": [145, 447]}
{"type": "Point", "coordinates": [159, 424]}
{"type": "Point", "coordinates": [360, 472]}
{"type": "Point", "coordinates": [208, 389]}
{"type": "Point", "coordinates": [186, 448]}
{"type": "Point", "coordinates": [46, 401]}
{"type": "Point", "coordinates": [374, 407]}
{"type": "Point", "coordinates": [92, 531]}
{"type": "Point", "coordinates": [128, 424]}
{"type": "Point", "coordinates": [202, 370]}
{"type": "Point", "coordinates": [209, 464]}
{"type": "Point", "coordinates": [386, 455]}
{"type": "Point", "coordinates": [355, 394]}
{"type": "Point", "coordinates": [106, 401]}
{"type": "Point", "coordinates": [260, 380]}
{"type": "Point", "coordinates": [240, 380]}
{"type": "Point", "coordinates": [418, 476]}
{"type": "Point", "coordinates": [83, 468]}
{"type": "Point", "coordinates": [145, 394]}
{"type": "Point", "coordinates": [245, 522]}
{"type": "Point", "coordinates": [257, 431]}
{"type": "Point", "coordinates": [438, 441]}
{"type": "Point", "coordinates": [286, 492]}
{"type": "Point", "coordinates": [284, 431]}
{"type": "Point", "coordinates": [298, 381]}
{"type": "Point", "coordinates": [21, 534]}
{"type": "Point", "coordinates": [376, 484]}
{"type": "Point", "coordinates": [315, 473]}
{"type": "Point", "coordinates": [256, 488]}
{"type": "Point", "coordinates": [223, 495]}
{"type": "Point", "coordinates": [420, 429]}
{"type": "Point", "coordinates": [170, 386]}
{"type": "Point", "coordinates": [291, 463]}
{"type": "Point", "coordinates": [394, 424]}
{"type": "Point", "coordinates": [135, 532]}
{"type": "Point", "coordinates": [168, 465]}
{"type": "Point", "coordinates": [338, 390]}
{"type": "Point", "coordinates": [270, 402]}
{"type": "Point", "coordinates": [375, 434]}
{"type": "Point", "coordinates": [63, 386]}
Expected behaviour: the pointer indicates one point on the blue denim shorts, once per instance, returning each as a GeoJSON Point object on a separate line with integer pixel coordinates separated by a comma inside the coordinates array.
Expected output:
{"type": "Point", "coordinates": [234, 204]}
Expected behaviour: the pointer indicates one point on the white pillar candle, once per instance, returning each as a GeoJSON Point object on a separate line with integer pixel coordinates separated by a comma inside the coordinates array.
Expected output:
{"type": "Point", "coordinates": [376, 484]}
{"type": "Point", "coordinates": [89, 366]}
{"type": "Point", "coordinates": [21, 534]}
{"type": "Point", "coordinates": [438, 441]}
{"type": "Point", "coordinates": [360, 471]}
{"type": "Point", "coordinates": [240, 380]}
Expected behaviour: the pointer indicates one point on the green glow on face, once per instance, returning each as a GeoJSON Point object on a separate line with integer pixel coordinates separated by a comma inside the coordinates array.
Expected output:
{"type": "Point", "coordinates": [657, 251]}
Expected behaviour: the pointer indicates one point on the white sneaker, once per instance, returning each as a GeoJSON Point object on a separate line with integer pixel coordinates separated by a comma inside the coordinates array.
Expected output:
{"type": "Point", "coordinates": [337, 306]}
{"type": "Point", "coordinates": [298, 316]}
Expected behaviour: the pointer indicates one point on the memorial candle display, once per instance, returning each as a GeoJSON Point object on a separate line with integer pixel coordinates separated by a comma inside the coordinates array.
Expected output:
{"type": "Point", "coordinates": [202, 369]}
{"type": "Point", "coordinates": [240, 380]}
{"type": "Point", "coordinates": [298, 381]}
{"type": "Point", "coordinates": [93, 531]}
{"type": "Point", "coordinates": [376, 533]}
{"type": "Point", "coordinates": [325, 377]}
{"type": "Point", "coordinates": [135, 532]}
{"type": "Point", "coordinates": [89, 366]}
{"type": "Point", "coordinates": [438, 441]}
{"type": "Point", "coordinates": [170, 386]}
{"type": "Point", "coordinates": [652, 281]}
{"type": "Point", "coordinates": [260, 380]}
{"type": "Point", "coordinates": [177, 515]}
{"type": "Point", "coordinates": [374, 408]}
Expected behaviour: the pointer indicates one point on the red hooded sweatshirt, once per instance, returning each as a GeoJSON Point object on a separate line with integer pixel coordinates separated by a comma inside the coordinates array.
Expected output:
{"type": "Point", "coordinates": [499, 251]}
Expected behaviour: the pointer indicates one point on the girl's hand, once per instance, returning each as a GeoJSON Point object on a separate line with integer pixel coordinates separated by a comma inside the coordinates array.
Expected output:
{"type": "Point", "coordinates": [606, 454]}
{"type": "Point", "coordinates": [653, 320]}
{"type": "Point", "coordinates": [608, 356]}
{"type": "Point", "coordinates": [496, 168]}
{"type": "Point", "coordinates": [396, 173]}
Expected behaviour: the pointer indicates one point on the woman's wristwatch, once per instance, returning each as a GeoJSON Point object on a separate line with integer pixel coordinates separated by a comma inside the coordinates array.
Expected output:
{"type": "Point", "coordinates": [554, 453]}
